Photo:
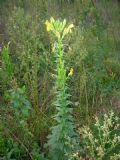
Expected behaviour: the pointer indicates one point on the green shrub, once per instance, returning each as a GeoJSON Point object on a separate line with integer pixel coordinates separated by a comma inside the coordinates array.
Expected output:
{"type": "Point", "coordinates": [20, 103]}
{"type": "Point", "coordinates": [102, 139]}
{"type": "Point", "coordinates": [19, 142]}
{"type": "Point", "coordinates": [24, 36]}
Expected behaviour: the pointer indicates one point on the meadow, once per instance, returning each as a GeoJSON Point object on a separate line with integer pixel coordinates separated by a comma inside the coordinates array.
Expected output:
{"type": "Point", "coordinates": [59, 80]}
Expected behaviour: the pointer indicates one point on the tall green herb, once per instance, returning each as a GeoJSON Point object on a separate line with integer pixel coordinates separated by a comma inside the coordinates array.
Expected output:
{"type": "Point", "coordinates": [6, 69]}
{"type": "Point", "coordinates": [6, 62]}
{"type": "Point", "coordinates": [62, 139]}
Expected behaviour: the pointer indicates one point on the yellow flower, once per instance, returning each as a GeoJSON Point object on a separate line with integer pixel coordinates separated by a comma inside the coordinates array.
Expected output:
{"type": "Point", "coordinates": [48, 25]}
{"type": "Point", "coordinates": [71, 26]}
{"type": "Point", "coordinates": [57, 34]}
{"type": "Point", "coordinates": [71, 72]}
{"type": "Point", "coordinates": [67, 30]}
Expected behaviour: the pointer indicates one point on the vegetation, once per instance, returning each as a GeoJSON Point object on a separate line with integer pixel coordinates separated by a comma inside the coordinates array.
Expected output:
{"type": "Point", "coordinates": [59, 80]}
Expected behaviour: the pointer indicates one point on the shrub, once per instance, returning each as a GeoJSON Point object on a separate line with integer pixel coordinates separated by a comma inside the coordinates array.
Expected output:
{"type": "Point", "coordinates": [102, 139]}
{"type": "Point", "coordinates": [24, 36]}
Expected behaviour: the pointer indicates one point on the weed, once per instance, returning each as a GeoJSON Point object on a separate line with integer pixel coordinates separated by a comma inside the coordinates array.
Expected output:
{"type": "Point", "coordinates": [63, 137]}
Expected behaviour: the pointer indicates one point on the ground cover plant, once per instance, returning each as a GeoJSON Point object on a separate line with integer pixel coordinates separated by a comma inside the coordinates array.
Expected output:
{"type": "Point", "coordinates": [59, 80]}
